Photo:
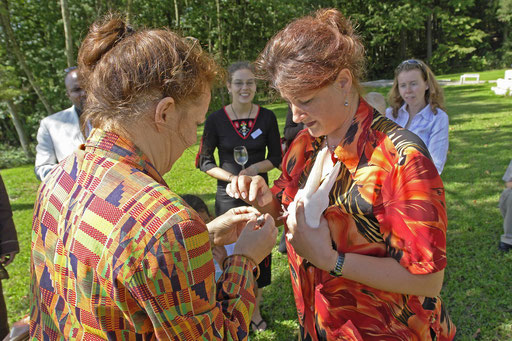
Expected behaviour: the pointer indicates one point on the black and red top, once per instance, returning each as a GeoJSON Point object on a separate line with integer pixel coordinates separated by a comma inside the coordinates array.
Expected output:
{"type": "Point", "coordinates": [260, 135]}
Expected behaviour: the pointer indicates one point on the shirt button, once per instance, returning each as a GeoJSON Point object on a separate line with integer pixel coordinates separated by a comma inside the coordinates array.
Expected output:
{"type": "Point", "coordinates": [311, 307]}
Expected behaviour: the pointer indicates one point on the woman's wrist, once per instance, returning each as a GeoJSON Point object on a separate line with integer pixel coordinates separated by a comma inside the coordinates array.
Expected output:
{"type": "Point", "coordinates": [256, 168]}
{"type": "Point", "coordinates": [331, 261]}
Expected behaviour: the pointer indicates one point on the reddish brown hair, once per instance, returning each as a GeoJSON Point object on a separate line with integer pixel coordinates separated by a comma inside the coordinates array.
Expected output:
{"type": "Point", "coordinates": [310, 52]}
{"type": "Point", "coordinates": [124, 72]}
{"type": "Point", "coordinates": [433, 96]}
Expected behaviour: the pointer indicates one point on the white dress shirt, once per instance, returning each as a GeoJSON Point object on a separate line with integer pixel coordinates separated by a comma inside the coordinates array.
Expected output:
{"type": "Point", "coordinates": [432, 129]}
{"type": "Point", "coordinates": [58, 136]}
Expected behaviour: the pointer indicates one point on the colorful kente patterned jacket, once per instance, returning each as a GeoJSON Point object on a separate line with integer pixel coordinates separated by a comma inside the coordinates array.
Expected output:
{"type": "Point", "coordinates": [116, 255]}
{"type": "Point", "coordinates": [388, 201]}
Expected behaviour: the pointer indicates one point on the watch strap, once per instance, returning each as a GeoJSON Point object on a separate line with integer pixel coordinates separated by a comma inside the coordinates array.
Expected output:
{"type": "Point", "coordinates": [338, 268]}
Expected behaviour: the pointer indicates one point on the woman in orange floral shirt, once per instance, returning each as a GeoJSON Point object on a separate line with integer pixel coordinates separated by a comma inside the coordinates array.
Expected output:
{"type": "Point", "coordinates": [366, 214]}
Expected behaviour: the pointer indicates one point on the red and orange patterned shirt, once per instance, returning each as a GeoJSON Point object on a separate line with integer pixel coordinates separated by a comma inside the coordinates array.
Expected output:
{"type": "Point", "coordinates": [116, 255]}
{"type": "Point", "coordinates": [388, 201]}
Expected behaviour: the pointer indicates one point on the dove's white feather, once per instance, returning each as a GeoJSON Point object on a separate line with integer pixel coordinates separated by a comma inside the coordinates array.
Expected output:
{"type": "Point", "coordinates": [315, 195]}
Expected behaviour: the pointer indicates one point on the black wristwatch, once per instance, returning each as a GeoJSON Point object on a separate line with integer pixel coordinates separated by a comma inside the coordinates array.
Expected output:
{"type": "Point", "coordinates": [338, 268]}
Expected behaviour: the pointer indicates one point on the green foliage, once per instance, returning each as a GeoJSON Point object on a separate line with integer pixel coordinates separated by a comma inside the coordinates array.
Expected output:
{"type": "Point", "coordinates": [476, 287]}
{"type": "Point", "coordinates": [465, 34]}
{"type": "Point", "coordinates": [9, 84]}
{"type": "Point", "coordinates": [505, 11]}
{"type": "Point", "coordinates": [12, 157]}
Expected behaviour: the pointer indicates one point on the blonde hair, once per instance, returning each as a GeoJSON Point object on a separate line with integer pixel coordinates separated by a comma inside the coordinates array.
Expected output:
{"type": "Point", "coordinates": [310, 52]}
{"type": "Point", "coordinates": [125, 71]}
{"type": "Point", "coordinates": [433, 96]}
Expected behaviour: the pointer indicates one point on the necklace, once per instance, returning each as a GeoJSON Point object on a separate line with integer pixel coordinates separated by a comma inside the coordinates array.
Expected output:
{"type": "Point", "coordinates": [330, 147]}
{"type": "Point", "coordinates": [236, 116]}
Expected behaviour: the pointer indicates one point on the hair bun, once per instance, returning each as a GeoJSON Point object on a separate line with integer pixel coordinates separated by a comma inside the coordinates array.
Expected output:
{"type": "Point", "coordinates": [102, 37]}
{"type": "Point", "coordinates": [335, 18]}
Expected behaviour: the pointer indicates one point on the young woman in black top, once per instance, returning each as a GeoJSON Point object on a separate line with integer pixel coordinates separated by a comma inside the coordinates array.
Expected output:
{"type": "Point", "coordinates": [241, 123]}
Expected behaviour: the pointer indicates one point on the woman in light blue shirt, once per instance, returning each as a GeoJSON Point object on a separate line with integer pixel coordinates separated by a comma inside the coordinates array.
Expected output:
{"type": "Point", "coordinates": [417, 104]}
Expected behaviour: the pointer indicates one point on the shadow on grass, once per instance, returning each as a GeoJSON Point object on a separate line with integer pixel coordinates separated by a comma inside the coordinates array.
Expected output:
{"type": "Point", "coordinates": [476, 289]}
{"type": "Point", "coordinates": [21, 207]}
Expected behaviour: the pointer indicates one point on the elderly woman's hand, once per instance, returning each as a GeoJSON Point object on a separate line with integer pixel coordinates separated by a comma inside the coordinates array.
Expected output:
{"type": "Point", "coordinates": [257, 243]}
{"type": "Point", "coordinates": [219, 254]}
{"type": "Point", "coordinates": [252, 189]}
{"type": "Point", "coordinates": [313, 244]}
{"type": "Point", "coordinates": [226, 228]}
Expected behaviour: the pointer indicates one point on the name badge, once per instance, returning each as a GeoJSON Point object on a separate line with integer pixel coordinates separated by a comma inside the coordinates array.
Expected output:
{"type": "Point", "coordinates": [257, 133]}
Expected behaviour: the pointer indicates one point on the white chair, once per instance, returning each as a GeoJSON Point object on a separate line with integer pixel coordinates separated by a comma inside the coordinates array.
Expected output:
{"type": "Point", "coordinates": [464, 77]}
{"type": "Point", "coordinates": [504, 85]}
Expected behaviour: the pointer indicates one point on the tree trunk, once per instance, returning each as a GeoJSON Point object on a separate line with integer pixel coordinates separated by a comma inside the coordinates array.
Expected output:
{"type": "Point", "coordinates": [429, 37]}
{"type": "Point", "coordinates": [219, 31]}
{"type": "Point", "coordinates": [176, 13]}
{"type": "Point", "coordinates": [19, 129]}
{"type": "Point", "coordinates": [209, 34]}
{"type": "Point", "coordinates": [128, 12]}
{"type": "Point", "coordinates": [220, 43]}
{"type": "Point", "coordinates": [67, 33]}
{"type": "Point", "coordinates": [403, 44]}
{"type": "Point", "coordinates": [11, 40]}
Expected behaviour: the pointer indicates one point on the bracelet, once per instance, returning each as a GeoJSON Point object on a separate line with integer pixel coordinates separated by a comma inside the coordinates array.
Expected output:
{"type": "Point", "coordinates": [230, 177]}
{"type": "Point", "coordinates": [338, 268]}
{"type": "Point", "coordinates": [249, 258]}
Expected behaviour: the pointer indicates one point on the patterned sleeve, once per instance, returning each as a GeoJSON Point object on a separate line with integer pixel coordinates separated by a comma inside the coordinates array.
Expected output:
{"type": "Point", "coordinates": [412, 213]}
{"type": "Point", "coordinates": [294, 162]}
{"type": "Point", "coordinates": [175, 286]}
{"type": "Point", "coordinates": [210, 140]}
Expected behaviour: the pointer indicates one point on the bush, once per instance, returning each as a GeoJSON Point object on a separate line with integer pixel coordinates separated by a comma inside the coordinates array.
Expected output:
{"type": "Point", "coordinates": [13, 157]}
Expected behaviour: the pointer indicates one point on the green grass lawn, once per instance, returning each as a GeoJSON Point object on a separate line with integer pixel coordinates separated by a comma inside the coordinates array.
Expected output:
{"type": "Point", "coordinates": [477, 281]}
{"type": "Point", "coordinates": [484, 76]}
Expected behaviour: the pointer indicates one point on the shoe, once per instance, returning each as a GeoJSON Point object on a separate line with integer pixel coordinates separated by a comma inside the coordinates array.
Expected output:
{"type": "Point", "coordinates": [504, 247]}
{"type": "Point", "coordinates": [259, 327]}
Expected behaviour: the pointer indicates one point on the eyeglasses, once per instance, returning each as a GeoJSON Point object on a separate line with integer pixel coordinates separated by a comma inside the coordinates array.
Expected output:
{"type": "Point", "coordinates": [69, 69]}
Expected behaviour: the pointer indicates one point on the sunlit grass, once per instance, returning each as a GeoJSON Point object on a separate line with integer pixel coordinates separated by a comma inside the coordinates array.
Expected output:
{"type": "Point", "coordinates": [477, 279]}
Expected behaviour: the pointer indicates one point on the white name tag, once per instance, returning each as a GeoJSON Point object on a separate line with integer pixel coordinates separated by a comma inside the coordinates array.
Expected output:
{"type": "Point", "coordinates": [256, 133]}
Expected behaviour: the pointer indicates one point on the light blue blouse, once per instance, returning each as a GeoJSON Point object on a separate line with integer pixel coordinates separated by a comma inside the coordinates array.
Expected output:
{"type": "Point", "coordinates": [432, 129]}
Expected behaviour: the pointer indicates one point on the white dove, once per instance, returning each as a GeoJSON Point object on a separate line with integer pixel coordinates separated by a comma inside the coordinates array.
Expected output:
{"type": "Point", "coordinates": [315, 195]}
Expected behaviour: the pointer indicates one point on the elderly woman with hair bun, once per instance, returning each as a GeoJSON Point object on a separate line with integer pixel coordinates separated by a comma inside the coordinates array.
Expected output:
{"type": "Point", "coordinates": [417, 104]}
{"type": "Point", "coordinates": [364, 204]}
{"type": "Point", "coordinates": [115, 253]}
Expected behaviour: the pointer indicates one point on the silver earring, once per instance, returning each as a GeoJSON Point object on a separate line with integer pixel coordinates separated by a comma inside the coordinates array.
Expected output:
{"type": "Point", "coordinates": [346, 102]}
